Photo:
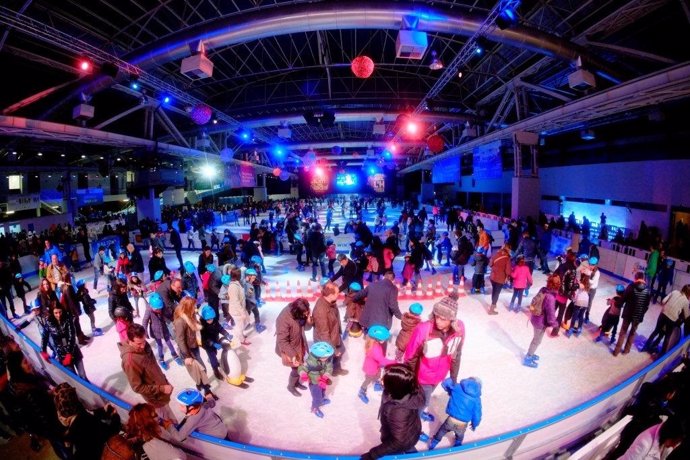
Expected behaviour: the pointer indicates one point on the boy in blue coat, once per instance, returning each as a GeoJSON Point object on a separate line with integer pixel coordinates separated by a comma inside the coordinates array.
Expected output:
{"type": "Point", "coordinates": [464, 407]}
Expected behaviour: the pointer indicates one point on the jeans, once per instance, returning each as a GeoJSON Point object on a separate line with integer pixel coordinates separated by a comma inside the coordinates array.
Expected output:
{"type": "Point", "coordinates": [178, 253]}
{"type": "Point", "coordinates": [159, 344]}
{"type": "Point", "coordinates": [536, 340]}
{"type": "Point", "coordinates": [517, 294]}
{"type": "Point", "coordinates": [427, 389]}
{"type": "Point", "coordinates": [456, 426]}
{"type": "Point", "coordinates": [663, 329]}
{"type": "Point", "coordinates": [317, 395]}
{"type": "Point", "coordinates": [577, 318]}
{"type": "Point", "coordinates": [592, 293]}
{"type": "Point", "coordinates": [96, 274]}
{"type": "Point", "coordinates": [320, 260]}
{"type": "Point", "coordinates": [458, 272]}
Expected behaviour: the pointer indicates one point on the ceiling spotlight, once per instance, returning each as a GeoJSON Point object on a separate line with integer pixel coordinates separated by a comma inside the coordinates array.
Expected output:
{"type": "Point", "coordinates": [460, 74]}
{"type": "Point", "coordinates": [85, 65]}
{"type": "Point", "coordinates": [208, 171]}
{"type": "Point", "coordinates": [62, 155]}
{"type": "Point", "coordinates": [588, 135]}
{"type": "Point", "coordinates": [39, 154]}
{"type": "Point", "coordinates": [436, 63]}
{"type": "Point", "coordinates": [14, 153]}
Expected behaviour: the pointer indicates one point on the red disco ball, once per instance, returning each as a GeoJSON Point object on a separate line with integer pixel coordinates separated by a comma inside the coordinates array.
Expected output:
{"type": "Point", "coordinates": [201, 114]}
{"type": "Point", "coordinates": [362, 66]}
{"type": "Point", "coordinates": [435, 143]}
{"type": "Point", "coordinates": [276, 172]}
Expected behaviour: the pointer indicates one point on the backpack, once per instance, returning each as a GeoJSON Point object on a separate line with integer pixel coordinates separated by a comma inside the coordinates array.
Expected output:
{"type": "Point", "coordinates": [536, 307]}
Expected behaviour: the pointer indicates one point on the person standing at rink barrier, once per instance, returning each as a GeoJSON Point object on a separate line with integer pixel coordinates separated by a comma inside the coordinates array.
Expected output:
{"type": "Point", "coordinates": [637, 298]}
{"type": "Point", "coordinates": [401, 402]}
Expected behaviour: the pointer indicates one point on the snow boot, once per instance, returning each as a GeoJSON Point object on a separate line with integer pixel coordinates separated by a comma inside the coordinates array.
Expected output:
{"type": "Point", "coordinates": [325, 401]}
{"type": "Point", "coordinates": [97, 332]}
{"type": "Point", "coordinates": [363, 396]}
{"type": "Point", "coordinates": [299, 385]}
{"type": "Point", "coordinates": [293, 391]}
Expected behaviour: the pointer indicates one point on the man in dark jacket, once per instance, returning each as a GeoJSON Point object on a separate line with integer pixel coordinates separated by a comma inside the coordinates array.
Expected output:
{"type": "Point", "coordinates": [327, 326]}
{"type": "Point", "coordinates": [381, 304]}
{"type": "Point", "coordinates": [171, 293]}
{"type": "Point", "coordinates": [157, 262]}
{"type": "Point", "coordinates": [205, 258]}
{"type": "Point", "coordinates": [348, 270]}
{"type": "Point", "coordinates": [136, 263]}
{"type": "Point", "coordinates": [636, 302]}
{"type": "Point", "coordinates": [316, 245]}
{"type": "Point", "coordinates": [176, 242]}
{"type": "Point", "coordinates": [528, 249]}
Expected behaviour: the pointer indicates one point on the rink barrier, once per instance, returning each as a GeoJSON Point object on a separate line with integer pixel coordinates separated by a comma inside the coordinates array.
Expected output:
{"type": "Point", "coordinates": [287, 292]}
{"type": "Point", "coordinates": [547, 437]}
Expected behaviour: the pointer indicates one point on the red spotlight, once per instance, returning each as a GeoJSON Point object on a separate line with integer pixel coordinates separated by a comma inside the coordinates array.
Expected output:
{"type": "Point", "coordinates": [412, 128]}
{"type": "Point", "coordinates": [85, 65]}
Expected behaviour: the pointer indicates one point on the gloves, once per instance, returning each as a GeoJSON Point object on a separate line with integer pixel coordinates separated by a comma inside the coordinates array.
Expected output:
{"type": "Point", "coordinates": [45, 356]}
{"type": "Point", "coordinates": [304, 377]}
{"type": "Point", "coordinates": [324, 381]}
{"type": "Point", "coordinates": [68, 360]}
{"type": "Point", "coordinates": [217, 345]}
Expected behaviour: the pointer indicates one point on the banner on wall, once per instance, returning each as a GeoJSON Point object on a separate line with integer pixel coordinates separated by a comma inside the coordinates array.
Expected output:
{"type": "Point", "coordinates": [86, 196]}
{"type": "Point", "coordinates": [446, 171]}
{"type": "Point", "coordinates": [487, 162]}
{"type": "Point", "coordinates": [240, 176]}
{"type": "Point", "coordinates": [23, 202]}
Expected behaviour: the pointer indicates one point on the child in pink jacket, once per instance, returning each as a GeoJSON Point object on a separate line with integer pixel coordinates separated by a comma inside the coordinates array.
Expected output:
{"type": "Point", "coordinates": [522, 279]}
{"type": "Point", "coordinates": [375, 359]}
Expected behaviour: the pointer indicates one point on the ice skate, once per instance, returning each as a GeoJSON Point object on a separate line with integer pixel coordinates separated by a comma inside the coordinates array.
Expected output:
{"type": "Point", "coordinates": [363, 396]}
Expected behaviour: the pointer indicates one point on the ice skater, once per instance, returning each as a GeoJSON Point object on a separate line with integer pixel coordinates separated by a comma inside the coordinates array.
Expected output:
{"type": "Point", "coordinates": [374, 360]}
{"type": "Point", "coordinates": [317, 370]}
{"type": "Point", "coordinates": [464, 409]}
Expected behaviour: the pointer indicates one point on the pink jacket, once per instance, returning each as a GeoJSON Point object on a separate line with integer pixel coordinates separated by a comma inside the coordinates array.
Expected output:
{"type": "Point", "coordinates": [375, 359]}
{"type": "Point", "coordinates": [121, 328]}
{"type": "Point", "coordinates": [521, 277]}
{"type": "Point", "coordinates": [434, 356]}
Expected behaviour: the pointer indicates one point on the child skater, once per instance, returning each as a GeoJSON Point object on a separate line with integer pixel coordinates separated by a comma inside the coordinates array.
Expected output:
{"type": "Point", "coordinates": [317, 370]}
{"type": "Point", "coordinates": [611, 316]}
{"type": "Point", "coordinates": [198, 416]}
{"type": "Point", "coordinates": [464, 408]}
{"type": "Point", "coordinates": [374, 360]}
{"type": "Point", "coordinates": [580, 303]}
{"type": "Point", "coordinates": [89, 305]}
{"type": "Point", "coordinates": [353, 310]}
{"type": "Point", "coordinates": [409, 321]}
{"type": "Point", "coordinates": [331, 254]}
{"type": "Point", "coordinates": [480, 262]}
{"type": "Point", "coordinates": [157, 329]}
{"type": "Point", "coordinates": [522, 280]}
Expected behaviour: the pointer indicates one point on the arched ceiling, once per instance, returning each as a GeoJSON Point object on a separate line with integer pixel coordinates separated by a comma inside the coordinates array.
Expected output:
{"type": "Point", "coordinates": [275, 60]}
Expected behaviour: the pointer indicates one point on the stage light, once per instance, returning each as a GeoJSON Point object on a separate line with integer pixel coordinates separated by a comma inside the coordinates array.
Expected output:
{"type": "Point", "coordinates": [279, 152]}
{"type": "Point", "coordinates": [318, 171]}
{"type": "Point", "coordinates": [134, 85]}
{"type": "Point", "coordinates": [245, 136]}
{"type": "Point", "coordinates": [387, 155]}
{"type": "Point", "coordinates": [392, 148]}
{"type": "Point", "coordinates": [208, 171]}
{"type": "Point", "coordinates": [412, 128]}
{"type": "Point", "coordinates": [166, 99]}
{"type": "Point", "coordinates": [508, 16]}
{"type": "Point", "coordinates": [85, 65]}
{"type": "Point", "coordinates": [478, 50]}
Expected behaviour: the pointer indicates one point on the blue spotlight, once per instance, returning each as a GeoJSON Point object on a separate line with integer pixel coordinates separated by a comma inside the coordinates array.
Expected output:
{"type": "Point", "coordinates": [279, 152]}
{"type": "Point", "coordinates": [245, 136]}
{"type": "Point", "coordinates": [166, 99]}
{"type": "Point", "coordinates": [508, 16]}
{"type": "Point", "coordinates": [134, 85]}
{"type": "Point", "coordinates": [387, 155]}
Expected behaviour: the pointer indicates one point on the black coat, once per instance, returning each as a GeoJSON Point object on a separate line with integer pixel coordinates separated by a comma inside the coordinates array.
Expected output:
{"type": "Point", "coordinates": [136, 263]}
{"type": "Point", "coordinates": [175, 239]}
{"type": "Point", "coordinates": [349, 274]}
{"type": "Point", "coordinates": [119, 300]}
{"type": "Point", "coordinates": [400, 425]}
{"type": "Point", "coordinates": [636, 297]}
{"type": "Point", "coordinates": [63, 337]}
{"type": "Point", "coordinates": [170, 299]}
{"type": "Point", "coordinates": [157, 263]}
{"type": "Point", "coordinates": [381, 304]}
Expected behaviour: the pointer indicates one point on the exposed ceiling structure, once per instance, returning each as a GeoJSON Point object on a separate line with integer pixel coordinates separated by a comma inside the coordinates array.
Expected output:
{"type": "Point", "coordinates": [279, 64]}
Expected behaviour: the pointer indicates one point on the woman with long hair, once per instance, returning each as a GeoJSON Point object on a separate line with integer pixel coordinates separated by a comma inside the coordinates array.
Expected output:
{"type": "Point", "coordinates": [60, 331]}
{"type": "Point", "coordinates": [399, 413]}
{"type": "Point", "coordinates": [69, 300]}
{"type": "Point", "coordinates": [186, 327]}
{"type": "Point", "coordinates": [143, 427]}
{"type": "Point", "coordinates": [47, 295]}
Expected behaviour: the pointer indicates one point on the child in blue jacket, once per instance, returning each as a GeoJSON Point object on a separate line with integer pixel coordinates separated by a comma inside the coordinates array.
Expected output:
{"type": "Point", "coordinates": [464, 407]}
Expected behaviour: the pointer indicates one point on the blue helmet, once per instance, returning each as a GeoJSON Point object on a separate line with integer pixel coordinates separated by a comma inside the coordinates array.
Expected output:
{"type": "Point", "coordinates": [189, 267]}
{"type": "Point", "coordinates": [156, 301]}
{"type": "Point", "coordinates": [207, 312]}
{"type": "Point", "coordinates": [355, 286]}
{"type": "Point", "coordinates": [225, 279]}
{"type": "Point", "coordinates": [359, 244]}
{"type": "Point", "coordinates": [620, 289]}
{"type": "Point", "coordinates": [122, 277]}
{"type": "Point", "coordinates": [416, 308]}
{"type": "Point", "coordinates": [322, 350]}
{"type": "Point", "coordinates": [378, 332]}
{"type": "Point", "coordinates": [593, 260]}
{"type": "Point", "coordinates": [210, 268]}
{"type": "Point", "coordinates": [18, 276]}
{"type": "Point", "coordinates": [158, 275]}
{"type": "Point", "coordinates": [190, 397]}
{"type": "Point", "coordinates": [255, 260]}
{"type": "Point", "coordinates": [80, 283]}
{"type": "Point", "coordinates": [250, 272]}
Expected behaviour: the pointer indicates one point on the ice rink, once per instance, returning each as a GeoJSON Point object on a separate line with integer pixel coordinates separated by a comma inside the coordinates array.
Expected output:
{"type": "Point", "coordinates": [571, 371]}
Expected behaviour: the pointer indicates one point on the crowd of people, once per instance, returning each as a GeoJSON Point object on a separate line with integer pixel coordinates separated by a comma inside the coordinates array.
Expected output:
{"type": "Point", "coordinates": [214, 306]}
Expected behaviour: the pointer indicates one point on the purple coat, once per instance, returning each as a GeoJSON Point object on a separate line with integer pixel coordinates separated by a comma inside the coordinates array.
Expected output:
{"type": "Point", "coordinates": [548, 317]}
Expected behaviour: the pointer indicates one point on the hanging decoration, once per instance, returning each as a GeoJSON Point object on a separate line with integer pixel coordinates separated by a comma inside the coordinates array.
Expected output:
{"type": "Point", "coordinates": [201, 114]}
{"type": "Point", "coordinates": [435, 143]}
{"type": "Point", "coordinates": [284, 175]}
{"type": "Point", "coordinates": [276, 172]}
{"type": "Point", "coordinates": [337, 150]}
{"type": "Point", "coordinates": [362, 66]}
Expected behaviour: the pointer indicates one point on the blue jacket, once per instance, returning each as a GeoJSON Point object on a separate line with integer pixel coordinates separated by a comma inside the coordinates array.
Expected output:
{"type": "Point", "coordinates": [465, 400]}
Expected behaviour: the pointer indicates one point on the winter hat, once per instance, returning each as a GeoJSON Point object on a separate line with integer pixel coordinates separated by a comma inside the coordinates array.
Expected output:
{"type": "Point", "coordinates": [66, 401]}
{"type": "Point", "coordinates": [446, 308]}
{"type": "Point", "coordinates": [416, 308]}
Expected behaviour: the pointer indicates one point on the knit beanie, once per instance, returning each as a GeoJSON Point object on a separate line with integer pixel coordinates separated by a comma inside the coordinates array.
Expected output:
{"type": "Point", "coordinates": [446, 308]}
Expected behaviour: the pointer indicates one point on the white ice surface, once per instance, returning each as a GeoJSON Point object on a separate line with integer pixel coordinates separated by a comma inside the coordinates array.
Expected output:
{"type": "Point", "coordinates": [571, 371]}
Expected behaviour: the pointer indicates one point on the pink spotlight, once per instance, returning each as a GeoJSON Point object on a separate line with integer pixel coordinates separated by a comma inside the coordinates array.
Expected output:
{"type": "Point", "coordinates": [318, 171]}
{"type": "Point", "coordinates": [84, 65]}
{"type": "Point", "coordinates": [412, 128]}
{"type": "Point", "coordinates": [392, 148]}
